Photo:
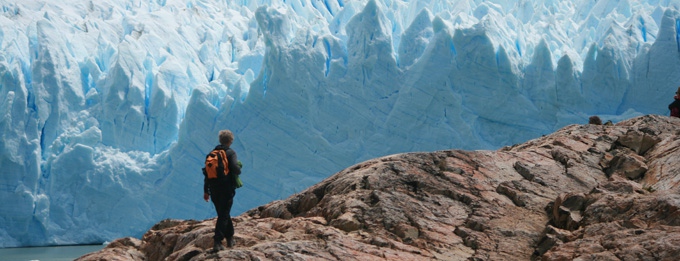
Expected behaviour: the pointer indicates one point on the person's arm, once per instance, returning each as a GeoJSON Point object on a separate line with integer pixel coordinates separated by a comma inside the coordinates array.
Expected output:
{"type": "Point", "coordinates": [233, 162]}
{"type": "Point", "coordinates": [206, 189]}
{"type": "Point", "coordinates": [674, 107]}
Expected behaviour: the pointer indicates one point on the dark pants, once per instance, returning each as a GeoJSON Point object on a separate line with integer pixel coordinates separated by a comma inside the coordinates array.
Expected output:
{"type": "Point", "coordinates": [223, 198]}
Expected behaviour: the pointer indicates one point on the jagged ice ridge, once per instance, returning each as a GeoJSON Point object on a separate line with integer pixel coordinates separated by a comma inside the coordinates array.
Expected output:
{"type": "Point", "coordinates": [108, 108]}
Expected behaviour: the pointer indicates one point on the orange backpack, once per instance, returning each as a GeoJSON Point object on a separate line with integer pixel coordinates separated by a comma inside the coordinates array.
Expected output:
{"type": "Point", "coordinates": [216, 164]}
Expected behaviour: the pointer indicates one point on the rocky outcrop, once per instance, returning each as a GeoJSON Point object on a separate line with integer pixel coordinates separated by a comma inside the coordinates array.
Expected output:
{"type": "Point", "coordinates": [586, 192]}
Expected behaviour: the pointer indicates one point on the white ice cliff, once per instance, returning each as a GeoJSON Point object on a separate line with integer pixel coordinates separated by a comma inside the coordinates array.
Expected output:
{"type": "Point", "coordinates": [107, 108]}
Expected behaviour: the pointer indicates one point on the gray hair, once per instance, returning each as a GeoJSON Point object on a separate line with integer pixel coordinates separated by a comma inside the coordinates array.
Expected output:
{"type": "Point", "coordinates": [226, 137]}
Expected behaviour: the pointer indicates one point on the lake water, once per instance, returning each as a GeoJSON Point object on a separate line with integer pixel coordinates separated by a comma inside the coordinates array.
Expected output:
{"type": "Point", "coordinates": [56, 253]}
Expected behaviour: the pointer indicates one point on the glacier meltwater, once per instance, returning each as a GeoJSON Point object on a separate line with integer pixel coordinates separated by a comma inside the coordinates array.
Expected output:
{"type": "Point", "coordinates": [107, 108]}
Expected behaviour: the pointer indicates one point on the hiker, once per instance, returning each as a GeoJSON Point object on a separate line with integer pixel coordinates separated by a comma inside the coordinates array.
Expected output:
{"type": "Point", "coordinates": [221, 187]}
{"type": "Point", "coordinates": [674, 107]}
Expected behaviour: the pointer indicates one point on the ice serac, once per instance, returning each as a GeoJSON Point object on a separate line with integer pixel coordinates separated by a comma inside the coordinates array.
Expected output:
{"type": "Point", "coordinates": [539, 85]}
{"type": "Point", "coordinates": [142, 112]}
{"type": "Point", "coordinates": [58, 101]}
{"type": "Point", "coordinates": [19, 157]}
{"type": "Point", "coordinates": [569, 96]}
{"type": "Point", "coordinates": [657, 65]}
{"type": "Point", "coordinates": [602, 70]}
{"type": "Point", "coordinates": [491, 94]}
{"type": "Point", "coordinates": [433, 92]}
{"type": "Point", "coordinates": [57, 90]}
{"type": "Point", "coordinates": [372, 65]}
{"type": "Point", "coordinates": [415, 39]}
{"type": "Point", "coordinates": [123, 105]}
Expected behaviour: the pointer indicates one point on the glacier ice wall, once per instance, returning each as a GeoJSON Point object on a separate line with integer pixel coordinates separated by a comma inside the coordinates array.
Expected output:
{"type": "Point", "coordinates": [108, 108]}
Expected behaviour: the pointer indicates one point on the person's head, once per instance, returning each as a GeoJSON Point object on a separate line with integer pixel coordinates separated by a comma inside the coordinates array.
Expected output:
{"type": "Point", "coordinates": [594, 120]}
{"type": "Point", "coordinates": [226, 137]}
{"type": "Point", "coordinates": [678, 91]}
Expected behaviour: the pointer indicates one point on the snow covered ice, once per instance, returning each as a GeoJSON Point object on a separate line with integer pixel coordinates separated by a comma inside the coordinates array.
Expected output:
{"type": "Point", "coordinates": [108, 108]}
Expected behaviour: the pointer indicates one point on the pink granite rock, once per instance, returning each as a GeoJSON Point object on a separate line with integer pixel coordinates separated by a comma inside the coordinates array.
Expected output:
{"type": "Point", "coordinates": [586, 192]}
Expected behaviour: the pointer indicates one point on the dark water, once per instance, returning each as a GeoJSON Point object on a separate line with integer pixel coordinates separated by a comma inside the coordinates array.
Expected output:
{"type": "Point", "coordinates": [56, 253]}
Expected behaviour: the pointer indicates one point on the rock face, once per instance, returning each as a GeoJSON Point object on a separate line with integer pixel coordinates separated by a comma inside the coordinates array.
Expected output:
{"type": "Point", "coordinates": [586, 192]}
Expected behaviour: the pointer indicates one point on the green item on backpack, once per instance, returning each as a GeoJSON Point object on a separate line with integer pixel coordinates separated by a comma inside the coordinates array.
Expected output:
{"type": "Point", "coordinates": [238, 181]}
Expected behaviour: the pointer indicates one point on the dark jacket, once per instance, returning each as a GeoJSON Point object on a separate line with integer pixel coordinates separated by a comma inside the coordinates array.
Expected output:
{"type": "Point", "coordinates": [675, 107]}
{"type": "Point", "coordinates": [228, 182]}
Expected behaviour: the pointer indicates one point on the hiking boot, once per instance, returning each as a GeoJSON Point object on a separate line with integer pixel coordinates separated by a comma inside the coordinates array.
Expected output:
{"type": "Point", "coordinates": [218, 246]}
{"type": "Point", "coordinates": [230, 242]}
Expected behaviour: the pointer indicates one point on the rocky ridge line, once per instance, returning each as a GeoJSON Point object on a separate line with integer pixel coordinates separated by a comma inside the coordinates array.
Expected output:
{"type": "Point", "coordinates": [587, 192]}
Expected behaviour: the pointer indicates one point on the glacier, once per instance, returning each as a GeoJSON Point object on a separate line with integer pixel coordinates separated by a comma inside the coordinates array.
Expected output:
{"type": "Point", "coordinates": [109, 107]}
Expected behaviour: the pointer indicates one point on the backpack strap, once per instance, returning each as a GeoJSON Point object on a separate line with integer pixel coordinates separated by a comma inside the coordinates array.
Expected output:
{"type": "Point", "coordinates": [222, 163]}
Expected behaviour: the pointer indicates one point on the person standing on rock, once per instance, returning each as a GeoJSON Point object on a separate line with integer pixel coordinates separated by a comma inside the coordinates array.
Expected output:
{"type": "Point", "coordinates": [675, 106]}
{"type": "Point", "coordinates": [219, 184]}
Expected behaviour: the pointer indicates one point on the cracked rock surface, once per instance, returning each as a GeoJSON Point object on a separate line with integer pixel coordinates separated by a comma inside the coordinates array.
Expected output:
{"type": "Point", "coordinates": [586, 192]}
